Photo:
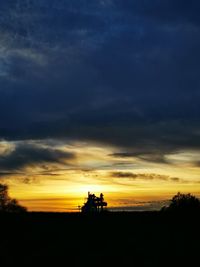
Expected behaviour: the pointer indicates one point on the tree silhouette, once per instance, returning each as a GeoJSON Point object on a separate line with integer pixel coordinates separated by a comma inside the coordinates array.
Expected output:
{"type": "Point", "coordinates": [8, 204]}
{"type": "Point", "coordinates": [183, 203]}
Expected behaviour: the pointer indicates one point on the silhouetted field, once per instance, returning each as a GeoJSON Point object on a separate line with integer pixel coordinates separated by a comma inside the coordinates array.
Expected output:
{"type": "Point", "coordinates": [123, 239]}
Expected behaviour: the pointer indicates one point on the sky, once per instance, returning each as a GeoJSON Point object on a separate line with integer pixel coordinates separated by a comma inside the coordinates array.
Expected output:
{"type": "Point", "coordinates": [99, 96]}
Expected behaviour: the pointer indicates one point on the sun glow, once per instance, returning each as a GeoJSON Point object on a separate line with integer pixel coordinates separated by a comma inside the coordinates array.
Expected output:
{"type": "Point", "coordinates": [82, 189]}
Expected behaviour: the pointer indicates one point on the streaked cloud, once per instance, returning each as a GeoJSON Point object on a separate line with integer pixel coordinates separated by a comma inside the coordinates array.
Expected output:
{"type": "Point", "coordinates": [25, 155]}
{"type": "Point", "coordinates": [144, 176]}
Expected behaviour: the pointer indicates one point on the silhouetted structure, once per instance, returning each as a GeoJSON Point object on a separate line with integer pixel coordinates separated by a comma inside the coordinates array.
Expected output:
{"type": "Point", "coordinates": [94, 204]}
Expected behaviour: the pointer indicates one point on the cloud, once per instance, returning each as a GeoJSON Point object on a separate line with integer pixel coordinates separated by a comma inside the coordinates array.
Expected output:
{"type": "Point", "coordinates": [151, 156]}
{"type": "Point", "coordinates": [124, 175]}
{"type": "Point", "coordinates": [24, 155]}
{"type": "Point", "coordinates": [120, 73]}
{"type": "Point", "coordinates": [167, 11]}
{"type": "Point", "coordinates": [144, 176]}
{"type": "Point", "coordinates": [130, 205]}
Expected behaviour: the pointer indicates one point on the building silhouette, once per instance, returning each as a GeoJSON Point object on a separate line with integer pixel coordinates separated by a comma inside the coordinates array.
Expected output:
{"type": "Point", "coordinates": [94, 204]}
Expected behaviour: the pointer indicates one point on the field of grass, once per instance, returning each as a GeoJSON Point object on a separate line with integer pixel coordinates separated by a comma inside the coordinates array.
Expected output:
{"type": "Point", "coordinates": [123, 239]}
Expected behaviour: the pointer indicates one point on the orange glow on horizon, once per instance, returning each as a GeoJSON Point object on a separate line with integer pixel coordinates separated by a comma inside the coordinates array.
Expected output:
{"type": "Point", "coordinates": [124, 182]}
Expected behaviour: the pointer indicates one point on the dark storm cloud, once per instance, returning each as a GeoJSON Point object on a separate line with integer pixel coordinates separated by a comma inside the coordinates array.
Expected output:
{"type": "Point", "coordinates": [124, 73]}
{"type": "Point", "coordinates": [24, 155]}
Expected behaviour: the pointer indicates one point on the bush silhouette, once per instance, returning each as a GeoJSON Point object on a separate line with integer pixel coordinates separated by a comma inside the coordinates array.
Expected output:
{"type": "Point", "coordinates": [183, 203]}
{"type": "Point", "coordinates": [8, 204]}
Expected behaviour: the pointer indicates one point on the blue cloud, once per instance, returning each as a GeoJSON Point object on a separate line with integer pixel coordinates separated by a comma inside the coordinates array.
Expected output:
{"type": "Point", "coordinates": [119, 72]}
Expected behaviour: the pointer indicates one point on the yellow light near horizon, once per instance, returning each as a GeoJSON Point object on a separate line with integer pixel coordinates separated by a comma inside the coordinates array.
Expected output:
{"type": "Point", "coordinates": [93, 188]}
{"type": "Point", "coordinates": [56, 188]}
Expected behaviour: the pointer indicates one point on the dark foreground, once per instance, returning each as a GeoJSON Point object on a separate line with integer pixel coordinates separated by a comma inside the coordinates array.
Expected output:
{"type": "Point", "coordinates": [123, 239]}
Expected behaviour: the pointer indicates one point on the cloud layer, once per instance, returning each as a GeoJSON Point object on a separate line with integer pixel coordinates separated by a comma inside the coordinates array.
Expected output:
{"type": "Point", "coordinates": [26, 155]}
{"type": "Point", "coordinates": [123, 73]}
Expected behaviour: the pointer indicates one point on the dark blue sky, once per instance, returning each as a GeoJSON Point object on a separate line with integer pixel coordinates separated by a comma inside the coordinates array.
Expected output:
{"type": "Point", "coordinates": [123, 73]}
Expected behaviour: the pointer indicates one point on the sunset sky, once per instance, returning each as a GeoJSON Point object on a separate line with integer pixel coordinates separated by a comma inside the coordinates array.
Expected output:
{"type": "Point", "coordinates": [99, 96]}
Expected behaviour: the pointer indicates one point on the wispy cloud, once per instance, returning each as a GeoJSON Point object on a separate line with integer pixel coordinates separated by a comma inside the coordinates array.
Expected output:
{"type": "Point", "coordinates": [133, 205]}
{"type": "Point", "coordinates": [144, 176]}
